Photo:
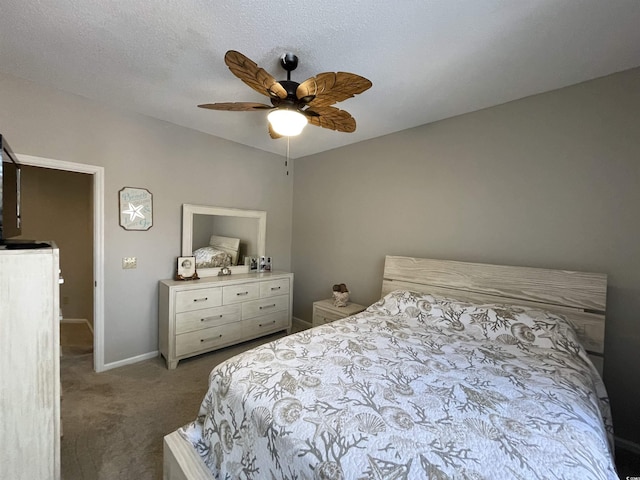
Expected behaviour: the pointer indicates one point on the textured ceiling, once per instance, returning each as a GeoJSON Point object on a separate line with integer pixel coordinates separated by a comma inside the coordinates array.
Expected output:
{"type": "Point", "coordinates": [428, 60]}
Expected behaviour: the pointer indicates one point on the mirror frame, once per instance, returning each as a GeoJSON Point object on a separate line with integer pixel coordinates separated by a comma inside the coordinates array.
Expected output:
{"type": "Point", "coordinates": [188, 211]}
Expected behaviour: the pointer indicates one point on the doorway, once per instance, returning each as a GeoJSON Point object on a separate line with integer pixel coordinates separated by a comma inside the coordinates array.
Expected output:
{"type": "Point", "coordinates": [56, 205]}
{"type": "Point", "coordinates": [96, 207]}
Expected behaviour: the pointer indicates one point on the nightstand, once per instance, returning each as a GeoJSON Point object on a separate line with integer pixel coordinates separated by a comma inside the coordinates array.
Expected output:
{"type": "Point", "coordinates": [324, 311]}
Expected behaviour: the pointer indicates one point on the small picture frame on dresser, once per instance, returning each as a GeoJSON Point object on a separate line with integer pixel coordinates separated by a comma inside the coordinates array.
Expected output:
{"type": "Point", "coordinates": [251, 261]}
{"type": "Point", "coordinates": [186, 269]}
{"type": "Point", "coordinates": [264, 265]}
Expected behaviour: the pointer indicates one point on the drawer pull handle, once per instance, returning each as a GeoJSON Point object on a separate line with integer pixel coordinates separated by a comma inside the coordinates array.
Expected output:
{"type": "Point", "coordinates": [270, 323]}
{"type": "Point", "coordinates": [242, 293]}
{"type": "Point", "coordinates": [210, 318]}
{"type": "Point", "coordinates": [210, 338]}
{"type": "Point", "coordinates": [268, 306]}
{"type": "Point", "coordinates": [275, 288]}
{"type": "Point", "coordinates": [201, 299]}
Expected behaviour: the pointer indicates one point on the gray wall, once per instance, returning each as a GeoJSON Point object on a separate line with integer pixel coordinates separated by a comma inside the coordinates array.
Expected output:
{"type": "Point", "coordinates": [550, 181]}
{"type": "Point", "coordinates": [174, 163]}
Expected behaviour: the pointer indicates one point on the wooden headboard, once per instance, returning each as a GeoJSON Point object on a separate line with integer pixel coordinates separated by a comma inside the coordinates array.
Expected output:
{"type": "Point", "coordinates": [579, 296]}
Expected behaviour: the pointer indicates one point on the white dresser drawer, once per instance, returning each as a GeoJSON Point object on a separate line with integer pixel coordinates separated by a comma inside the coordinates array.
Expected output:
{"type": "Point", "coordinates": [208, 338]}
{"type": "Point", "coordinates": [265, 306]}
{"type": "Point", "coordinates": [209, 317]}
{"type": "Point", "coordinates": [189, 300]}
{"type": "Point", "coordinates": [274, 287]}
{"type": "Point", "coordinates": [240, 293]}
{"type": "Point", "coordinates": [273, 322]}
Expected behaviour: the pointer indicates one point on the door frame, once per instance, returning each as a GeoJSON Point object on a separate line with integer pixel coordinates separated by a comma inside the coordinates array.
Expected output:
{"type": "Point", "coordinates": [98, 242]}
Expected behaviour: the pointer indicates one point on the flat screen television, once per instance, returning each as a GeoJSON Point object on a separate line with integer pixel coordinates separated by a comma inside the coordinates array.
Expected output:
{"type": "Point", "coordinates": [10, 222]}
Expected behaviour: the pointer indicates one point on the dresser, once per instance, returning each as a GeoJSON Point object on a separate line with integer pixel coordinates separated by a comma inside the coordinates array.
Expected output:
{"type": "Point", "coordinates": [324, 311]}
{"type": "Point", "coordinates": [199, 316]}
{"type": "Point", "coordinates": [29, 364]}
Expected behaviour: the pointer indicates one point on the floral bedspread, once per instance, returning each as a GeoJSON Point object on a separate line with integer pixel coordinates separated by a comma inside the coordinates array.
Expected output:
{"type": "Point", "coordinates": [415, 387]}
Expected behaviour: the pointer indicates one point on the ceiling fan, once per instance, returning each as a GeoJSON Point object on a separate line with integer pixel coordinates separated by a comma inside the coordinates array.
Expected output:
{"type": "Point", "coordinates": [293, 104]}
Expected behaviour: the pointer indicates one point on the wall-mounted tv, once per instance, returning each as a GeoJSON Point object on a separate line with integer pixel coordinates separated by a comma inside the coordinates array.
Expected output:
{"type": "Point", "coordinates": [10, 222]}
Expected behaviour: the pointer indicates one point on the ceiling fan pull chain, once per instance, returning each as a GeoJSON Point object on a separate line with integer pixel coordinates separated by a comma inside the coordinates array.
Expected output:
{"type": "Point", "coordinates": [286, 162]}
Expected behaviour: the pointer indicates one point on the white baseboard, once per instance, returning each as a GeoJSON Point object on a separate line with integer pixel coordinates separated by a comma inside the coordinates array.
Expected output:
{"type": "Point", "coordinates": [627, 445]}
{"type": "Point", "coordinates": [78, 320]}
{"type": "Point", "coordinates": [129, 361]}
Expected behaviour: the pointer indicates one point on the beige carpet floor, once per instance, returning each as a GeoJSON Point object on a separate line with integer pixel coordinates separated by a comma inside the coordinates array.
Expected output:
{"type": "Point", "coordinates": [113, 422]}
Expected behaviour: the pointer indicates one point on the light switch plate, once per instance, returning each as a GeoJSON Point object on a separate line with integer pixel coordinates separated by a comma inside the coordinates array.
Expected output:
{"type": "Point", "coordinates": [129, 262]}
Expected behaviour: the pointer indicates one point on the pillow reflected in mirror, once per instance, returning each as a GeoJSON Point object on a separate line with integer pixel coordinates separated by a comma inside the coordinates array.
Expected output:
{"type": "Point", "coordinates": [211, 257]}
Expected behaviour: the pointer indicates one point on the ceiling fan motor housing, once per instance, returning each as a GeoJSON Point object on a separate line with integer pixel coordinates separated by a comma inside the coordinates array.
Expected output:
{"type": "Point", "coordinates": [291, 88]}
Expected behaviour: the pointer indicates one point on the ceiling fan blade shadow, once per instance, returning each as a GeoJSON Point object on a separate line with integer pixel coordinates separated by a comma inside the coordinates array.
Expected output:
{"type": "Point", "coordinates": [254, 76]}
{"type": "Point", "coordinates": [332, 118]}
{"type": "Point", "coordinates": [236, 106]}
{"type": "Point", "coordinates": [330, 87]}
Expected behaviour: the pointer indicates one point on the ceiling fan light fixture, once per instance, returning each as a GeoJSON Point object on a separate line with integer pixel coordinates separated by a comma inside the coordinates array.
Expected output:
{"type": "Point", "coordinates": [287, 122]}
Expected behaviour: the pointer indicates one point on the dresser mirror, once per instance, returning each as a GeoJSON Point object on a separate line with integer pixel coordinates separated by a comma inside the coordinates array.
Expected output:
{"type": "Point", "coordinates": [222, 237]}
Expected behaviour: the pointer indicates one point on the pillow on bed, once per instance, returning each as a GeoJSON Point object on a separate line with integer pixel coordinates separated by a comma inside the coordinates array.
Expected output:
{"type": "Point", "coordinates": [399, 301]}
{"type": "Point", "coordinates": [508, 324]}
{"type": "Point", "coordinates": [210, 257]}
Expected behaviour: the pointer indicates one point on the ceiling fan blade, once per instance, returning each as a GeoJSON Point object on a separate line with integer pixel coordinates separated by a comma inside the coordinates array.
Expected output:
{"type": "Point", "coordinates": [254, 76]}
{"type": "Point", "coordinates": [329, 88]}
{"type": "Point", "coordinates": [236, 106]}
{"type": "Point", "coordinates": [332, 118]}
{"type": "Point", "coordinates": [272, 133]}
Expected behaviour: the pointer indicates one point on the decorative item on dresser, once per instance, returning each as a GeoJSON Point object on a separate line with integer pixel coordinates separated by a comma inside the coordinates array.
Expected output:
{"type": "Point", "coordinates": [325, 311]}
{"type": "Point", "coordinates": [216, 312]}
{"type": "Point", "coordinates": [265, 264]}
{"type": "Point", "coordinates": [186, 269]}
{"type": "Point", "coordinates": [30, 363]}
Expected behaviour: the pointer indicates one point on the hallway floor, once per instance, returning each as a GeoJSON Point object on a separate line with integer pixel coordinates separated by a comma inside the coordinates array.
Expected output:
{"type": "Point", "coordinates": [76, 338]}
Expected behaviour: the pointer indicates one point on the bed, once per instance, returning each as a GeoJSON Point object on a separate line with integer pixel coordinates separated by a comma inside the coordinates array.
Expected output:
{"type": "Point", "coordinates": [460, 370]}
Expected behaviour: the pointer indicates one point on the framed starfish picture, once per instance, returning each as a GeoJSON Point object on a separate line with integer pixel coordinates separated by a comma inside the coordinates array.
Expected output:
{"type": "Point", "coordinates": [136, 208]}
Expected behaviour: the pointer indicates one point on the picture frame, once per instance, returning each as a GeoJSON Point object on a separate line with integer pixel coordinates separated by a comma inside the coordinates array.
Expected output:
{"type": "Point", "coordinates": [186, 269]}
{"type": "Point", "coordinates": [136, 208]}
{"type": "Point", "coordinates": [264, 264]}
{"type": "Point", "coordinates": [251, 261]}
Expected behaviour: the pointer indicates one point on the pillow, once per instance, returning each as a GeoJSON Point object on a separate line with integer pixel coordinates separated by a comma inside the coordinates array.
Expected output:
{"type": "Point", "coordinates": [508, 324]}
{"type": "Point", "coordinates": [210, 257]}
{"type": "Point", "coordinates": [409, 302]}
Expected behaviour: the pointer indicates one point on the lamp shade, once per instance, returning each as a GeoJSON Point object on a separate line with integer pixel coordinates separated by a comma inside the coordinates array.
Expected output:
{"type": "Point", "coordinates": [286, 122]}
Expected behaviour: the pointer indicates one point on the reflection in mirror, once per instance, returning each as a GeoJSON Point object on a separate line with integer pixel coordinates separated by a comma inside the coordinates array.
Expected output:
{"type": "Point", "coordinates": [221, 237]}
{"type": "Point", "coordinates": [246, 229]}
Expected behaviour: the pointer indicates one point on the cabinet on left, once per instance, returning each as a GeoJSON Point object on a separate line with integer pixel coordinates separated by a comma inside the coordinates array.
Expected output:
{"type": "Point", "coordinates": [30, 363]}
